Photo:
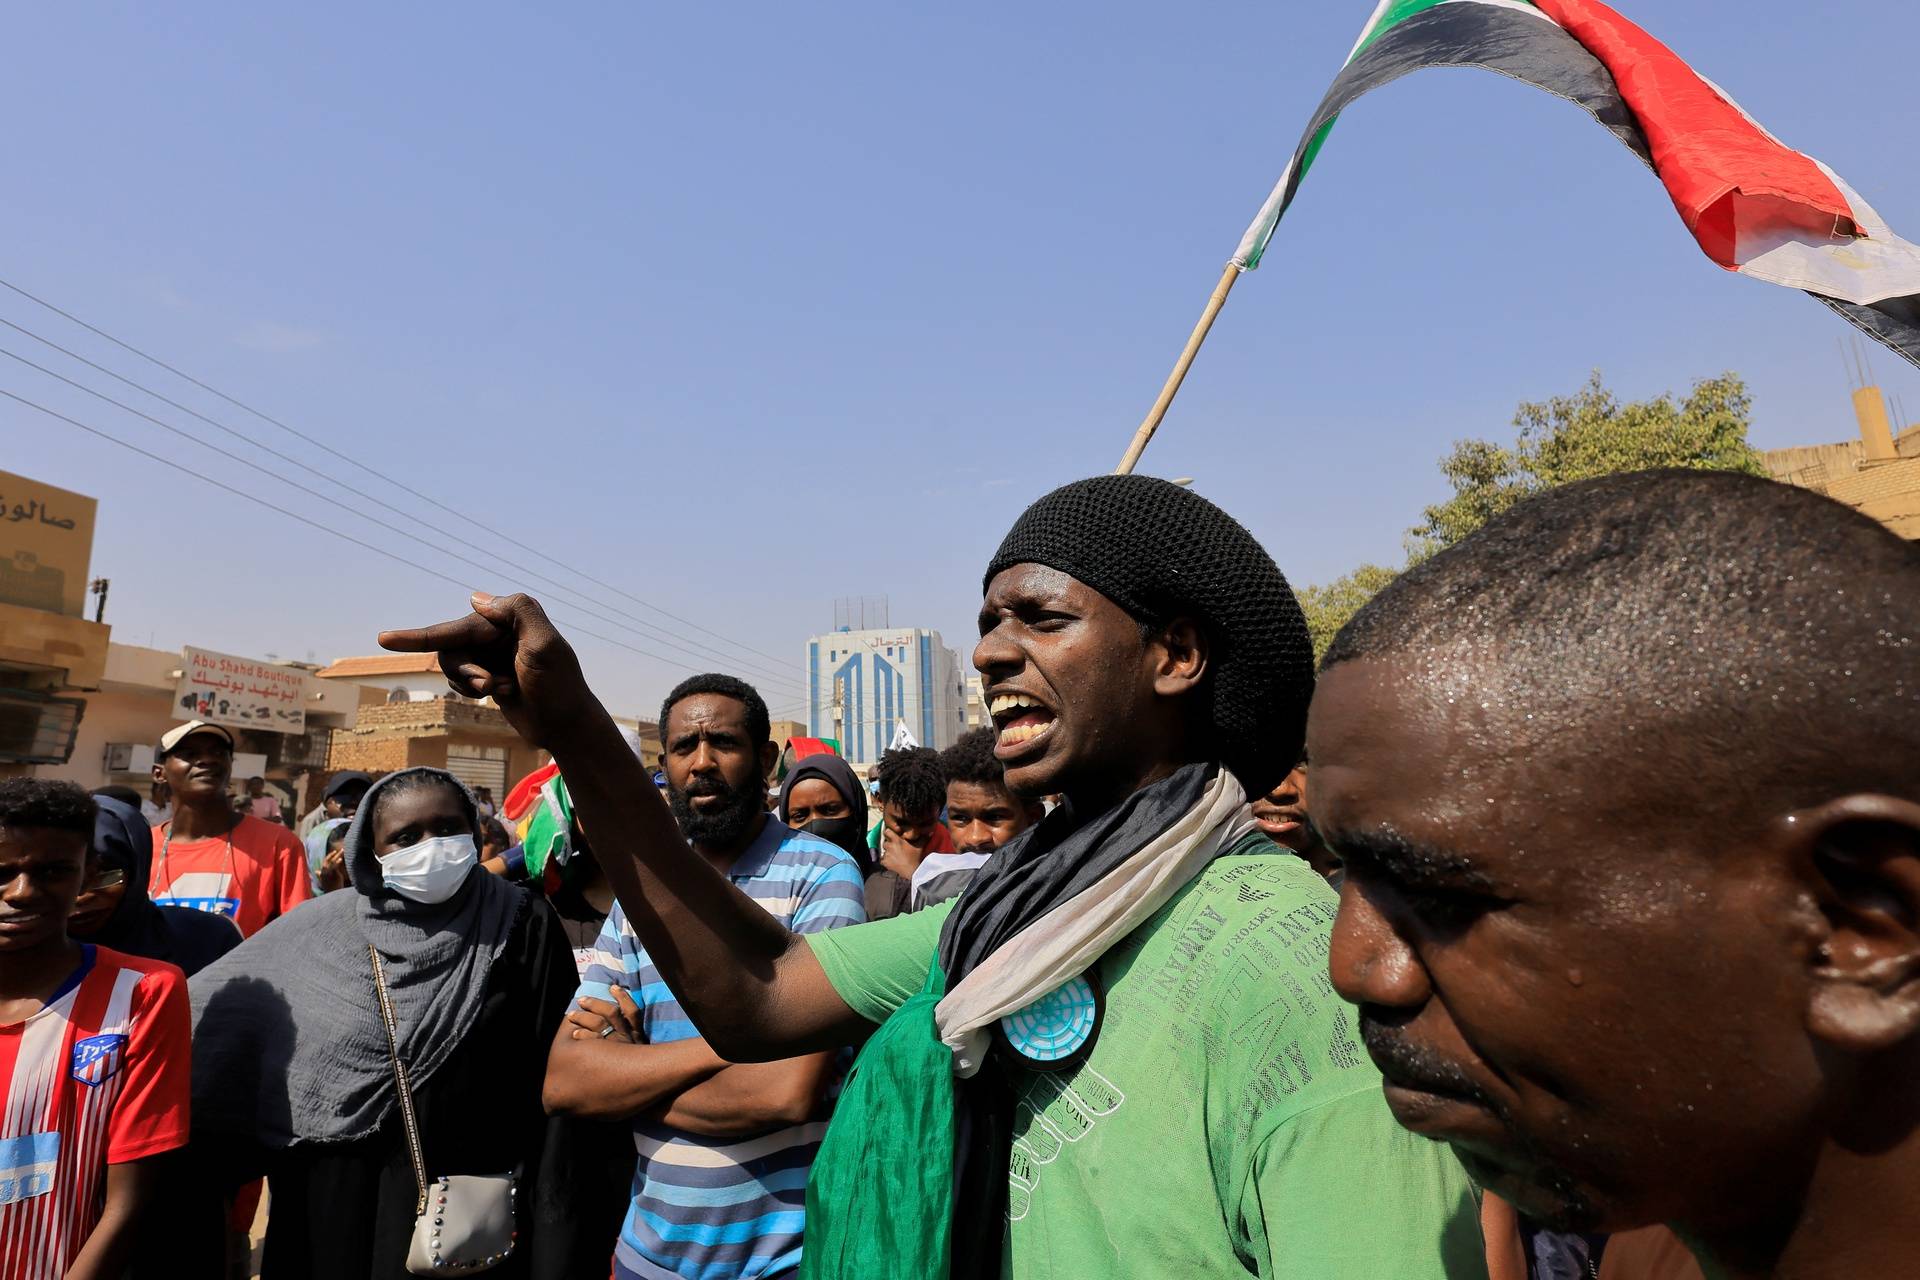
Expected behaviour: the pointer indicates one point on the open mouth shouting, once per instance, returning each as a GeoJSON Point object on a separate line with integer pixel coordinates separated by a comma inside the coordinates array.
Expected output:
{"type": "Point", "coordinates": [1022, 721]}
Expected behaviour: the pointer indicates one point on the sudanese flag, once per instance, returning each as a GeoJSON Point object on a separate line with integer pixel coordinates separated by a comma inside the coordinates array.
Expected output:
{"type": "Point", "coordinates": [1754, 205]}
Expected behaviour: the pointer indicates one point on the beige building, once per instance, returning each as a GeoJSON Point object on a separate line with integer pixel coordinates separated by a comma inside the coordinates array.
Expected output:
{"type": "Point", "coordinates": [1877, 473]}
{"type": "Point", "coordinates": [417, 720]}
{"type": "Point", "coordinates": [470, 740]}
{"type": "Point", "coordinates": [138, 697]}
{"type": "Point", "coordinates": [49, 652]}
{"type": "Point", "coordinates": [420, 721]}
{"type": "Point", "coordinates": [976, 704]}
{"type": "Point", "coordinates": [78, 707]}
{"type": "Point", "coordinates": [644, 737]}
{"type": "Point", "coordinates": [402, 677]}
{"type": "Point", "coordinates": [784, 731]}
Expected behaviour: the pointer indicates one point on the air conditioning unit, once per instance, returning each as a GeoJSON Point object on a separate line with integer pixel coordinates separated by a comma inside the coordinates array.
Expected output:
{"type": "Point", "coordinates": [129, 757]}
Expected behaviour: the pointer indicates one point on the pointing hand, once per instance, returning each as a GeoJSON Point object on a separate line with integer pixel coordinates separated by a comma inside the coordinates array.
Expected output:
{"type": "Point", "coordinates": [506, 649]}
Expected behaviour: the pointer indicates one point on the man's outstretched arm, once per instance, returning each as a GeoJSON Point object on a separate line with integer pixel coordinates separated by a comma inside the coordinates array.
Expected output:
{"type": "Point", "coordinates": [752, 987]}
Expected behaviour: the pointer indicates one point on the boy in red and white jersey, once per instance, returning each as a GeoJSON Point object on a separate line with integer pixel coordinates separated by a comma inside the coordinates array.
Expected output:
{"type": "Point", "coordinates": [94, 1055]}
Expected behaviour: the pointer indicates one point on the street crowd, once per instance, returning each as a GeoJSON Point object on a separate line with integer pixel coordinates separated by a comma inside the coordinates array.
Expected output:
{"type": "Point", "coordinates": [1563, 920]}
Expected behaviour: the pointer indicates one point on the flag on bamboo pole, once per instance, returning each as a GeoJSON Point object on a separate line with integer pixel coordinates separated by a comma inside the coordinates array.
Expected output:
{"type": "Point", "coordinates": [1755, 205]}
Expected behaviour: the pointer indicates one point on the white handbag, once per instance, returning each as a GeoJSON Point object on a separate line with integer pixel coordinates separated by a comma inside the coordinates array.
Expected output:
{"type": "Point", "coordinates": [463, 1223]}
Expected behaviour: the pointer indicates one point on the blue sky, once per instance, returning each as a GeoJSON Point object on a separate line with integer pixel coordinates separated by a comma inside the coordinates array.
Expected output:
{"type": "Point", "coordinates": [742, 308]}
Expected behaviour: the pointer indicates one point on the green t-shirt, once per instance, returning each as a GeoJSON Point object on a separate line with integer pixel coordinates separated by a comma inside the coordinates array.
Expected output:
{"type": "Point", "coordinates": [1227, 1122]}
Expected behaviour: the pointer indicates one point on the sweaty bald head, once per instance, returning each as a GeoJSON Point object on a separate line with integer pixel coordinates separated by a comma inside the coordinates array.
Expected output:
{"type": "Point", "coordinates": [1764, 637]}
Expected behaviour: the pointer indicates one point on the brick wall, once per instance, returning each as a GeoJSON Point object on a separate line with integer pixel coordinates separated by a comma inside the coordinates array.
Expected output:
{"type": "Point", "coordinates": [374, 755]}
{"type": "Point", "coordinates": [1887, 491]}
{"type": "Point", "coordinates": [1879, 483]}
{"type": "Point", "coordinates": [404, 735]}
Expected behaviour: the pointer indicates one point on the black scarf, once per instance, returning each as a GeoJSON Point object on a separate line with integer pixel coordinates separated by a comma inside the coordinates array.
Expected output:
{"type": "Point", "coordinates": [1039, 870]}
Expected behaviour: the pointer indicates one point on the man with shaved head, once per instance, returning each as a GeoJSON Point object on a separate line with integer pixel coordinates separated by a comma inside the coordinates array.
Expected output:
{"type": "Point", "coordinates": [1683, 986]}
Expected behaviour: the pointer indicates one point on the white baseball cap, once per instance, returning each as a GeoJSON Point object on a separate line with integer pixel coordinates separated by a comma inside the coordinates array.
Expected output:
{"type": "Point", "coordinates": [180, 733]}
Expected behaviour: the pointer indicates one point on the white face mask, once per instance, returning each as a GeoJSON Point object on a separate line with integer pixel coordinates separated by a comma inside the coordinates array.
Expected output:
{"type": "Point", "coordinates": [430, 871]}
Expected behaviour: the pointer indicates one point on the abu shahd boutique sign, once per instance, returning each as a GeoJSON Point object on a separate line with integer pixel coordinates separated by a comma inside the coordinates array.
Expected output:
{"type": "Point", "coordinates": [241, 692]}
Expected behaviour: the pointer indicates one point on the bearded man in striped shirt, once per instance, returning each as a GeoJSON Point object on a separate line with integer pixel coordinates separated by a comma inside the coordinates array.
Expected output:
{"type": "Point", "coordinates": [724, 1149]}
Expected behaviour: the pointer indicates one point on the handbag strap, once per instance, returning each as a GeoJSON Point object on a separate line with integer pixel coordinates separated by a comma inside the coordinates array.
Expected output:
{"type": "Point", "coordinates": [400, 1078]}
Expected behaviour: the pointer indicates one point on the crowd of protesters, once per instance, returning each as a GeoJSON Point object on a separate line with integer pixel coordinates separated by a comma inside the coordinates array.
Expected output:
{"type": "Point", "coordinates": [1574, 932]}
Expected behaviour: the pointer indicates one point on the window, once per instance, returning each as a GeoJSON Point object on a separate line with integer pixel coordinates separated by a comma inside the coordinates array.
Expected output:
{"type": "Point", "coordinates": [37, 729]}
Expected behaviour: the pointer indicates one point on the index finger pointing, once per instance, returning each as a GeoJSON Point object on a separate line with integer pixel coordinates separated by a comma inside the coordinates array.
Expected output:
{"type": "Point", "coordinates": [469, 632]}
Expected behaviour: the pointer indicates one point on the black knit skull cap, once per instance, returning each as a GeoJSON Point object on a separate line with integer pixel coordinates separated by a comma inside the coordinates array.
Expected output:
{"type": "Point", "coordinates": [1160, 551]}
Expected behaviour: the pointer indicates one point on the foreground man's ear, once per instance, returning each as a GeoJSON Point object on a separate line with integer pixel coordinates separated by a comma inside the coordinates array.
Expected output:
{"type": "Point", "coordinates": [1179, 655]}
{"type": "Point", "coordinates": [1860, 857]}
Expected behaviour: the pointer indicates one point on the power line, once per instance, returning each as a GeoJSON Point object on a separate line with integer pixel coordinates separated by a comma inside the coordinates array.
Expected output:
{"type": "Point", "coordinates": [357, 464]}
{"type": "Point", "coordinates": [656, 632]}
{"type": "Point", "coordinates": [448, 551]}
{"type": "Point", "coordinates": [661, 636]}
{"type": "Point", "coordinates": [314, 524]}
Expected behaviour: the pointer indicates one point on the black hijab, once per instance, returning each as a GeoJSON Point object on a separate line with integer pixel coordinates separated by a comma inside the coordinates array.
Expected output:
{"type": "Point", "coordinates": [839, 775]}
{"type": "Point", "coordinates": [139, 926]}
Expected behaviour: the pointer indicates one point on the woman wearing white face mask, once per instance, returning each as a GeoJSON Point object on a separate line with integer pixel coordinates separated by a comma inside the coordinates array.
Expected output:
{"type": "Point", "coordinates": [429, 967]}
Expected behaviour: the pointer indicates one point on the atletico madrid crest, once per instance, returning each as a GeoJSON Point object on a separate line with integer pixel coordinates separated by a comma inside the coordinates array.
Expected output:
{"type": "Point", "coordinates": [96, 1059]}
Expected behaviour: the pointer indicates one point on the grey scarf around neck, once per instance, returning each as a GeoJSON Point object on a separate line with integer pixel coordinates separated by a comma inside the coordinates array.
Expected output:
{"type": "Point", "coordinates": [288, 1045]}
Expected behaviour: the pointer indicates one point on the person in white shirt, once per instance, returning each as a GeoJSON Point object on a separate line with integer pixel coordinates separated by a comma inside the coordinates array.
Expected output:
{"type": "Point", "coordinates": [158, 806]}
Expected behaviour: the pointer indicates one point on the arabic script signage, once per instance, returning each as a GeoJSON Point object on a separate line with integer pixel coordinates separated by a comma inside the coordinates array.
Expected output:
{"type": "Point", "coordinates": [241, 692]}
{"type": "Point", "coordinates": [46, 541]}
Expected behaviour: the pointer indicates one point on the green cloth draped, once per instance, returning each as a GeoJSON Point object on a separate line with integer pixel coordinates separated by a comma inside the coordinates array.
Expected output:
{"type": "Point", "coordinates": [880, 1197]}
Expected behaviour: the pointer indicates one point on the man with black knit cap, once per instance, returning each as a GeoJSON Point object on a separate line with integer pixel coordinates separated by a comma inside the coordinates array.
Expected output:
{"type": "Point", "coordinates": [1118, 1052]}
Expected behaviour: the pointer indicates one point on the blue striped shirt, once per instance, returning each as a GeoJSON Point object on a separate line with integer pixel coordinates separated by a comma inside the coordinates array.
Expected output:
{"type": "Point", "coordinates": [723, 1208]}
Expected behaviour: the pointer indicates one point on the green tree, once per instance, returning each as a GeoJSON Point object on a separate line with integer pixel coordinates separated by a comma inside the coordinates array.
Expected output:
{"type": "Point", "coordinates": [1564, 439]}
{"type": "Point", "coordinates": [1328, 608]}
{"type": "Point", "coordinates": [1590, 433]}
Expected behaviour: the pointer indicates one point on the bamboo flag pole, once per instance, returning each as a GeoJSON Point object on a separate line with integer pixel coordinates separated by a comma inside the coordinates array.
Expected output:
{"type": "Point", "coordinates": [1179, 374]}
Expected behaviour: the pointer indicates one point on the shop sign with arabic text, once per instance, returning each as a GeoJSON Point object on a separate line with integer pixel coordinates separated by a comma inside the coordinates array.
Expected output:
{"type": "Point", "coordinates": [241, 692]}
{"type": "Point", "coordinates": [46, 542]}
